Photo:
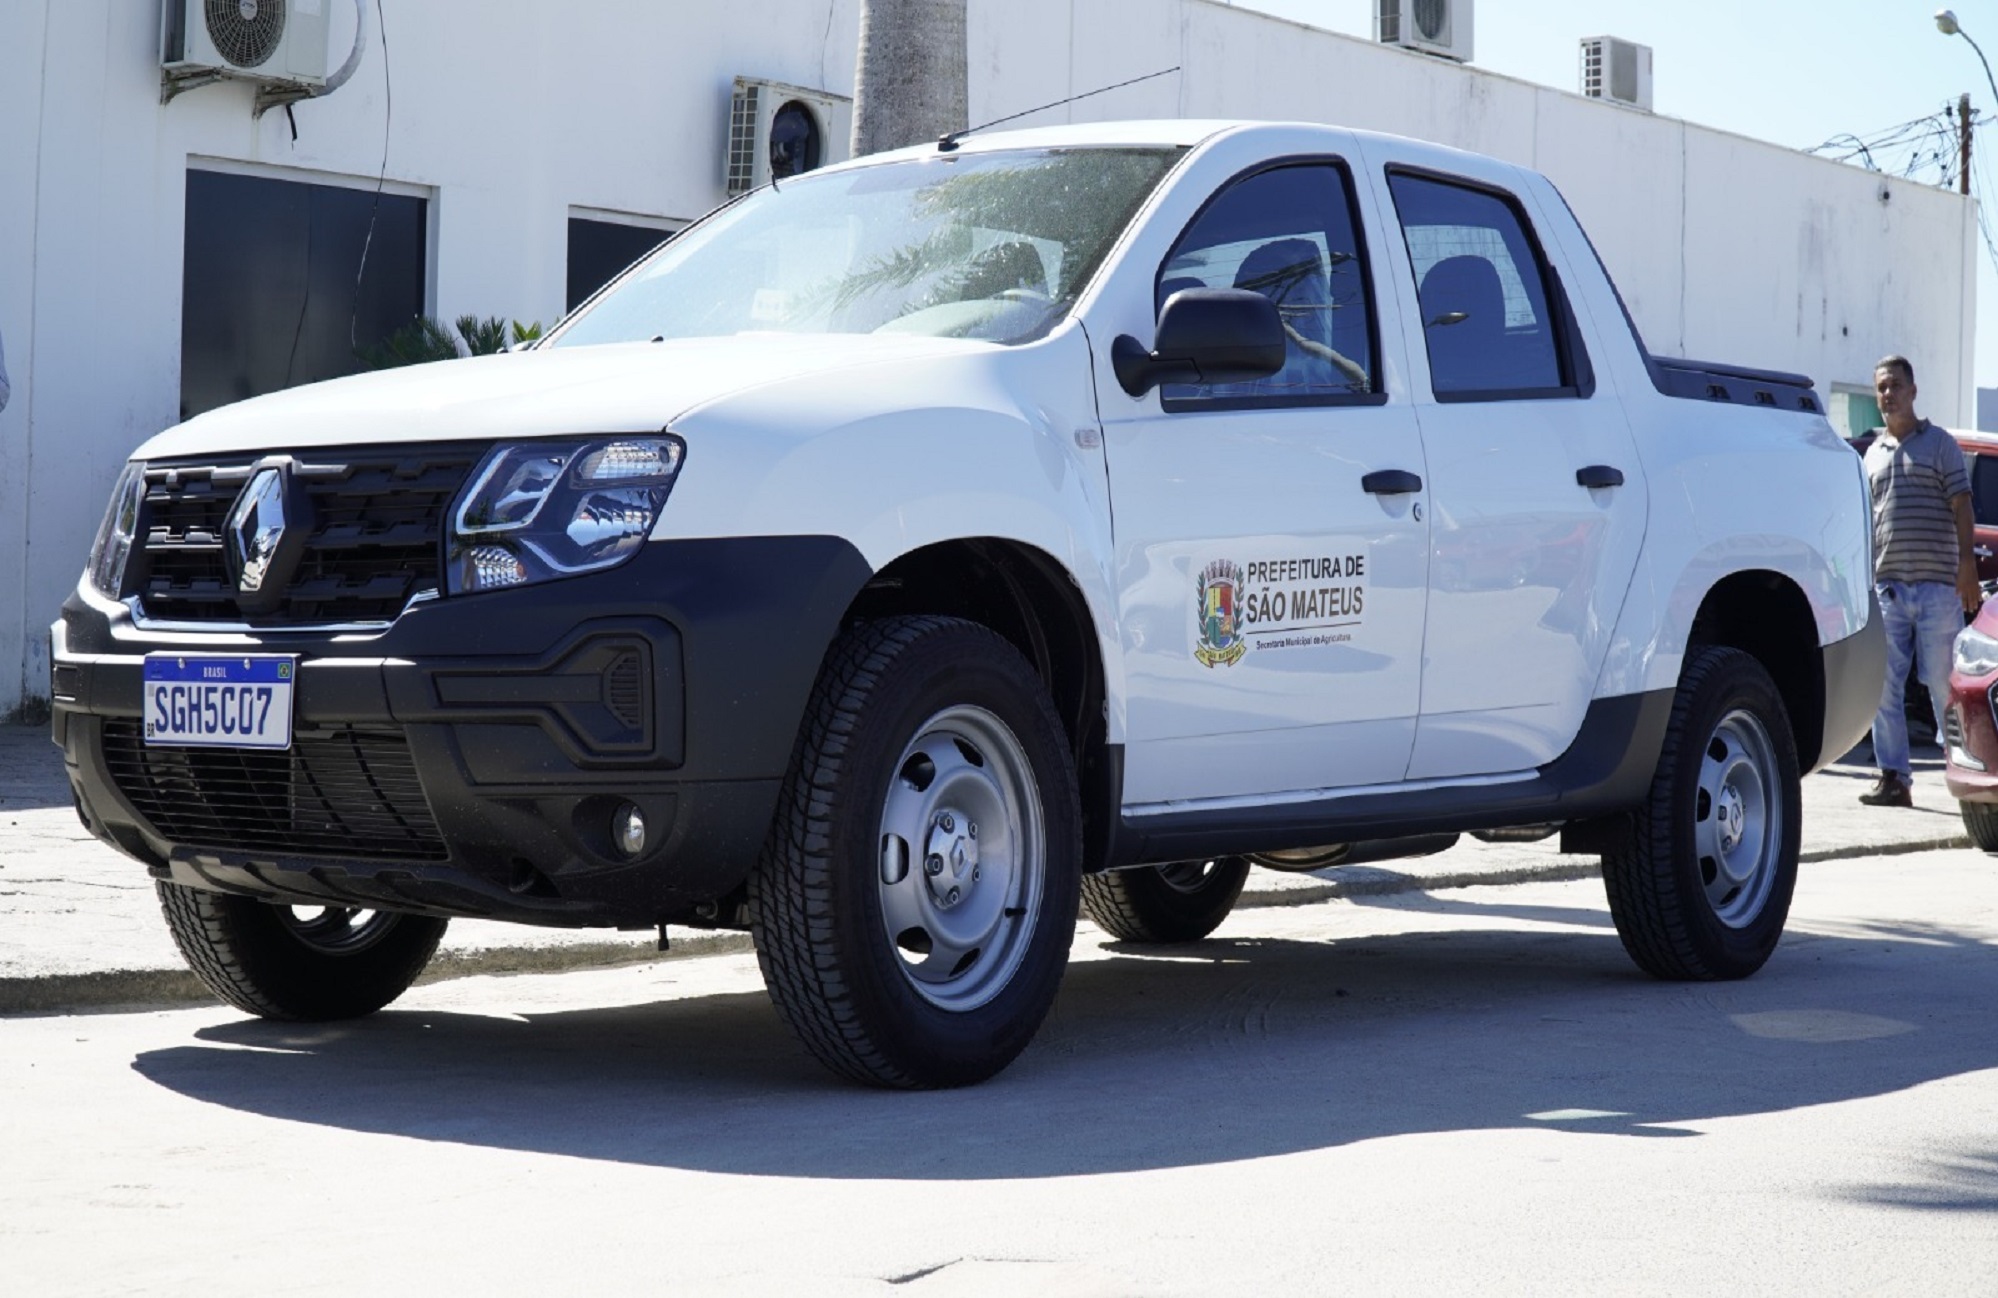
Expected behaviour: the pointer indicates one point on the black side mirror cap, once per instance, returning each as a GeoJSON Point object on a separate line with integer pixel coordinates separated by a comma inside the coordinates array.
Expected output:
{"type": "Point", "coordinates": [1205, 335]}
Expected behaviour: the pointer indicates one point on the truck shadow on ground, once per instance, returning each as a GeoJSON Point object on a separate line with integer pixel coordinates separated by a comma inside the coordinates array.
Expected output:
{"type": "Point", "coordinates": [1226, 1050]}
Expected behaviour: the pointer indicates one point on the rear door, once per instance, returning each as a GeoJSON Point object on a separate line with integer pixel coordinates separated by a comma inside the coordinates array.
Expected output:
{"type": "Point", "coordinates": [1982, 459]}
{"type": "Point", "coordinates": [1538, 496]}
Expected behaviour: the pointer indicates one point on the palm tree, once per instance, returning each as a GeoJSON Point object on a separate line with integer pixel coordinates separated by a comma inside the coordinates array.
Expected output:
{"type": "Point", "coordinates": [909, 86]}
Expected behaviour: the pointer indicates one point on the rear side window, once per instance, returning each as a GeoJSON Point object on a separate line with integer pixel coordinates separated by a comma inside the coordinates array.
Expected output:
{"type": "Point", "coordinates": [1984, 489]}
{"type": "Point", "coordinates": [1483, 290]}
{"type": "Point", "coordinates": [1288, 234]}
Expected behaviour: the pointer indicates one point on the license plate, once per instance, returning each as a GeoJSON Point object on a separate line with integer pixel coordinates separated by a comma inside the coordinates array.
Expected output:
{"type": "Point", "coordinates": [217, 701]}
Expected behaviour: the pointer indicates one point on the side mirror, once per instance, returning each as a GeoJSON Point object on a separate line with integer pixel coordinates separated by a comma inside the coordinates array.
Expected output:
{"type": "Point", "coordinates": [1205, 335]}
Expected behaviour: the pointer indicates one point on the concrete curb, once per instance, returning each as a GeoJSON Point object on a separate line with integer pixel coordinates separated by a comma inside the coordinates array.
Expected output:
{"type": "Point", "coordinates": [149, 988]}
{"type": "Point", "coordinates": [1943, 843]}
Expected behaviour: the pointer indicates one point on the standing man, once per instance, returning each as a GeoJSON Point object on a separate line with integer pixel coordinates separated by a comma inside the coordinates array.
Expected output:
{"type": "Point", "coordinates": [1924, 569]}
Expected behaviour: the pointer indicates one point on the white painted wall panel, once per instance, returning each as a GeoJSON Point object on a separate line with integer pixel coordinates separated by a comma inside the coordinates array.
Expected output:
{"type": "Point", "coordinates": [1725, 248]}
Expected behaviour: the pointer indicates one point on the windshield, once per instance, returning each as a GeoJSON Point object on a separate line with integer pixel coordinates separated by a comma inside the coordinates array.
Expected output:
{"type": "Point", "coordinates": [988, 245]}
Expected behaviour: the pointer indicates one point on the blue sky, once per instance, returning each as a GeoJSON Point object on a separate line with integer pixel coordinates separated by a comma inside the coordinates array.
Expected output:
{"type": "Point", "coordinates": [1796, 72]}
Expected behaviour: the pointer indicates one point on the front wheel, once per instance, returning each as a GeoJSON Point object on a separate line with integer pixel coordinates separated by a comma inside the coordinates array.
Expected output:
{"type": "Point", "coordinates": [1980, 820]}
{"type": "Point", "coordinates": [917, 895]}
{"type": "Point", "coordinates": [1182, 902]}
{"type": "Point", "coordinates": [302, 963]}
{"type": "Point", "coordinates": [1703, 888]}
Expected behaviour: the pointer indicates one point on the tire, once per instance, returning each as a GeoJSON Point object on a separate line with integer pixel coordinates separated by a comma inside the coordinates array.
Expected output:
{"type": "Point", "coordinates": [1164, 904]}
{"type": "Point", "coordinates": [1703, 889]}
{"type": "Point", "coordinates": [1980, 820]}
{"type": "Point", "coordinates": [916, 898]}
{"type": "Point", "coordinates": [307, 964]}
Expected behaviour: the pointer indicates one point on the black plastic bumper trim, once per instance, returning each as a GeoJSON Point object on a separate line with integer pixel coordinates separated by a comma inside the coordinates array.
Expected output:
{"type": "Point", "coordinates": [515, 707]}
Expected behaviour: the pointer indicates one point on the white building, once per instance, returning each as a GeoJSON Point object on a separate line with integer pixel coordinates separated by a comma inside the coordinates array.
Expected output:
{"type": "Point", "coordinates": [504, 135]}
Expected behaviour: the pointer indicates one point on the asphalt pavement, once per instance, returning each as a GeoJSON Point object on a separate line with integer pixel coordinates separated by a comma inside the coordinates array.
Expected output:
{"type": "Point", "coordinates": [80, 927]}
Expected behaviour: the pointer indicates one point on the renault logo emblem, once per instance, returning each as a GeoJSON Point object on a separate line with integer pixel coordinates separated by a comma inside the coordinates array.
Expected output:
{"type": "Point", "coordinates": [256, 530]}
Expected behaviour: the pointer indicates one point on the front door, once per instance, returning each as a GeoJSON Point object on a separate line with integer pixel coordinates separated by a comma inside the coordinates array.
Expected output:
{"type": "Point", "coordinates": [1271, 604]}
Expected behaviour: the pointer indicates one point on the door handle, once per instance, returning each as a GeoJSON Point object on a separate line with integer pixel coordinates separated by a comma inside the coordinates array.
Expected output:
{"type": "Point", "coordinates": [1391, 482]}
{"type": "Point", "coordinates": [1599, 475]}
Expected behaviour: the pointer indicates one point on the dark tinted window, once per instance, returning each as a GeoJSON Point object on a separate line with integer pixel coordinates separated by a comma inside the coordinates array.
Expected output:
{"type": "Point", "coordinates": [268, 292]}
{"type": "Point", "coordinates": [600, 250]}
{"type": "Point", "coordinates": [1482, 290]}
{"type": "Point", "coordinates": [1289, 235]}
{"type": "Point", "coordinates": [1984, 489]}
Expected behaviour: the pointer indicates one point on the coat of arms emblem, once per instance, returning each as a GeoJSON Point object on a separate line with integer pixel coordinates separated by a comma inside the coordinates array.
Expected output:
{"type": "Point", "coordinates": [1221, 642]}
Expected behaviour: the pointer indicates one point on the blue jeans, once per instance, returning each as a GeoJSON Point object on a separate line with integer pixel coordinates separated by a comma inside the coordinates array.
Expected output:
{"type": "Point", "coordinates": [1921, 619]}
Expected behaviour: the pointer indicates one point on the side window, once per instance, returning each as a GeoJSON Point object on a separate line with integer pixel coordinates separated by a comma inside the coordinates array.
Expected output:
{"type": "Point", "coordinates": [1483, 291]}
{"type": "Point", "coordinates": [1288, 234]}
{"type": "Point", "coordinates": [1984, 488]}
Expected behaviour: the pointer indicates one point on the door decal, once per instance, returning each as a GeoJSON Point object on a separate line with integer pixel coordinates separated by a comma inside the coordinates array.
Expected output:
{"type": "Point", "coordinates": [1281, 603]}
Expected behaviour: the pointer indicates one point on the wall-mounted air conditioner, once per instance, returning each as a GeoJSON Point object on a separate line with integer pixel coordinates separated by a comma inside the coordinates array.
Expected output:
{"type": "Point", "coordinates": [779, 131]}
{"type": "Point", "coordinates": [1440, 27]}
{"type": "Point", "coordinates": [1617, 70]}
{"type": "Point", "coordinates": [280, 44]}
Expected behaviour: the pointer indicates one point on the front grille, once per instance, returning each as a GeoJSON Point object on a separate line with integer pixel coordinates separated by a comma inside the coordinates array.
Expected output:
{"type": "Point", "coordinates": [377, 538]}
{"type": "Point", "coordinates": [338, 792]}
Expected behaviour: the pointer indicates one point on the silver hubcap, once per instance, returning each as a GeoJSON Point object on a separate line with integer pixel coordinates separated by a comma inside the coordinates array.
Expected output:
{"type": "Point", "coordinates": [962, 858]}
{"type": "Point", "coordinates": [1738, 819]}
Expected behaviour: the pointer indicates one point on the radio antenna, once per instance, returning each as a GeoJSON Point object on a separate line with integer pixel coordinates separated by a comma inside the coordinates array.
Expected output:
{"type": "Point", "coordinates": [948, 143]}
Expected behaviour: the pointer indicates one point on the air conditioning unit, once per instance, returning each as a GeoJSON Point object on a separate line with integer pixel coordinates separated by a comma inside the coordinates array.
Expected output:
{"type": "Point", "coordinates": [1440, 27]}
{"type": "Point", "coordinates": [280, 44]}
{"type": "Point", "coordinates": [778, 131]}
{"type": "Point", "coordinates": [1617, 70]}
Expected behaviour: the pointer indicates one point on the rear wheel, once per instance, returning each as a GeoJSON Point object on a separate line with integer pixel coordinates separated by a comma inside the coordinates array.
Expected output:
{"type": "Point", "coordinates": [917, 896]}
{"type": "Point", "coordinates": [308, 963]}
{"type": "Point", "coordinates": [1182, 902]}
{"type": "Point", "coordinates": [1980, 819]}
{"type": "Point", "coordinates": [1703, 889]}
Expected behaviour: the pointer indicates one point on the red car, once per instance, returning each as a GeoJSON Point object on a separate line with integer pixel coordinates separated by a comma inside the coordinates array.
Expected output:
{"type": "Point", "coordinates": [1970, 731]}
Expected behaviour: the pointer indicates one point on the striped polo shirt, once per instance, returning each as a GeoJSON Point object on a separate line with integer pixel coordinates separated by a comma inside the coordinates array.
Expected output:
{"type": "Point", "coordinates": [1913, 481]}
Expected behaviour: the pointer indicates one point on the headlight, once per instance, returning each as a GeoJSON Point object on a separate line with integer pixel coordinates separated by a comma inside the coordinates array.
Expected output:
{"type": "Point", "coordinates": [540, 510]}
{"type": "Point", "coordinates": [1976, 653]}
{"type": "Point", "coordinates": [113, 546]}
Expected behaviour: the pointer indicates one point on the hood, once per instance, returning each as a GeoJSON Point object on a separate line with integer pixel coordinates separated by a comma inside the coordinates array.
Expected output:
{"type": "Point", "coordinates": [616, 388]}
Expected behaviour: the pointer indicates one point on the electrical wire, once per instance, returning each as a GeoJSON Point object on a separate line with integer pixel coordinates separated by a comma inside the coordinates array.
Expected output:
{"type": "Point", "coordinates": [1924, 149]}
{"type": "Point", "coordinates": [388, 118]}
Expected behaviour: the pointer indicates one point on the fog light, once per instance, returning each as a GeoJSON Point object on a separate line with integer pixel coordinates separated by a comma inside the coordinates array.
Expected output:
{"type": "Point", "coordinates": [628, 829]}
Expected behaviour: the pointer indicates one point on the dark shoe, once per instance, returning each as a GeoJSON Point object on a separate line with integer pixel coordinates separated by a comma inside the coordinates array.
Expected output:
{"type": "Point", "coordinates": [1890, 791]}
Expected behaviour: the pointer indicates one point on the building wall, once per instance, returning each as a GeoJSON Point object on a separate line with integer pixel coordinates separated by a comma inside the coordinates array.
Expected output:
{"type": "Point", "coordinates": [1725, 248]}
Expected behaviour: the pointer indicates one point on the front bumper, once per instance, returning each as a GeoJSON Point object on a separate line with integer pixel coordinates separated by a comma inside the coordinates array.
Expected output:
{"type": "Point", "coordinates": [467, 759]}
{"type": "Point", "coordinates": [1971, 728]}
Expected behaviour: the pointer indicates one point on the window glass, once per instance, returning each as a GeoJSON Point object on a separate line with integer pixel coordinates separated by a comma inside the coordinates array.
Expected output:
{"type": "Point", "coordinates": [268, 292]}
{"type": "Point", "coordinates": [600, 250]}
{"type": "Point", "coordinates": [994, 246]}
{"type": "Point", "coordinates": [1984, 489]}
{"type": "Point", "coordinates": [1481, 288]}
{"type": "Point", "coordinates": [1288, 234]}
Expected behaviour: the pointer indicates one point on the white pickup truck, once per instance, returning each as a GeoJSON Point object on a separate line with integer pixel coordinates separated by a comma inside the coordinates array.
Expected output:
{"type": "Point", "coordinates": [917, 548]}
